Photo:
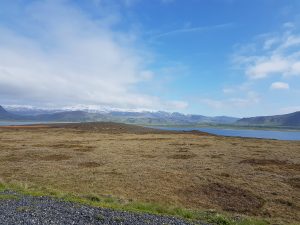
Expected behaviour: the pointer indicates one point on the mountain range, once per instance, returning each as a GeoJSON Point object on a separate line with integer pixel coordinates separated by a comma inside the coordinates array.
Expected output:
{"type": "Point", "coordinates": [4, 115]}
{"type": "Point", "coordinates": [143, 117]}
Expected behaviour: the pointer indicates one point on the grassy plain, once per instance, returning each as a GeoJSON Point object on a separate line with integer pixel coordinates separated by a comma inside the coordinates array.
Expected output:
{"type": "Point", "coordinates": [127, 165]}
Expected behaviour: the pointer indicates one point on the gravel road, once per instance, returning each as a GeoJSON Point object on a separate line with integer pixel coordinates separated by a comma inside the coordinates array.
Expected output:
{"type": "Point", "coordinates": [16, 209]}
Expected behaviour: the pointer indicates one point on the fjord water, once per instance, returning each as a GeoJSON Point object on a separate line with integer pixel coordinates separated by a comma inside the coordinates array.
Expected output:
{"type": "Point", "coordinates": [266, 134]}
{"type": "Point", "coordinates": [13, 123]}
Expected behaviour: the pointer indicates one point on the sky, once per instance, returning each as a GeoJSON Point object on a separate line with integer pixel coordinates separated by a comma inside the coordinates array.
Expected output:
{"type": "Point", "coordinates": [211, 57]}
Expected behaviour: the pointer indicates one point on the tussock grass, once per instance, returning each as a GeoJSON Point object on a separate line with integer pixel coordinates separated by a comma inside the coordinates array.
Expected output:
{"type": "Point", "coordinates": [150, 171]}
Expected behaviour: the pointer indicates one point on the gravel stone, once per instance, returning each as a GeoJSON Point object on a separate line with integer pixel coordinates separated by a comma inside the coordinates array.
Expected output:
{"type": "Point", "coordinates": [29, 210]}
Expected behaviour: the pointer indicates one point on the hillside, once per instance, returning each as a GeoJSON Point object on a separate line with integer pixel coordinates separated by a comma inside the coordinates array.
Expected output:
{"type": "Point", "coordinates": [73, 116]}
{"type": "Point", "coordinates": [288, 120]}
{"type": "Point", "coordinates": [4, 115]}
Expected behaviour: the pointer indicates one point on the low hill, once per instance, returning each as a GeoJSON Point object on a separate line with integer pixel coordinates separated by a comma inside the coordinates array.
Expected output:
{"type": "Point", "coordinates": [287, 120]}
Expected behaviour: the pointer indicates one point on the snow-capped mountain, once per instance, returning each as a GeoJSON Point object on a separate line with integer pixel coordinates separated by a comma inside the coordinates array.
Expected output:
{"type": "Point", "coordinates": [82, 113]}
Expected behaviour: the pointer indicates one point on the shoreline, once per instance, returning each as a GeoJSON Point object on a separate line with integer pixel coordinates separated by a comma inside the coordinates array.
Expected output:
{"type": "Point", "coordinates": [215, 130]}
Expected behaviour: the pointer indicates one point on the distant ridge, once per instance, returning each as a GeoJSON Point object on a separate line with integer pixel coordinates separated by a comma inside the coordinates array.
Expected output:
{"type": "Point", "coordinates": [144, 117]}
{"type": "Point", "coordinates": [288, 120]}
{"type": "Point", "coordinates": [4, 115]}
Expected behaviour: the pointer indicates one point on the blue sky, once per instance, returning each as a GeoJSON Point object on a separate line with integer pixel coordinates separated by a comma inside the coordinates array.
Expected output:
{"type": "Point", "coordinates": [210, 57]}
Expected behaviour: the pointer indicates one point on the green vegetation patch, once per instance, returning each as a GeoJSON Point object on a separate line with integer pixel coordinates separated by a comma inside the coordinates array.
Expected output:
{"type": "Point", "coordinates": [2, 187]}
{"type": "Point", "coordinates": [135, 207]}
{"type": "Point", "coordinates": [8, 197]}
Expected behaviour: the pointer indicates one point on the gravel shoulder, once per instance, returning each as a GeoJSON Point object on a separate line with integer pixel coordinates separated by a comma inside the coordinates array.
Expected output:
{"type": "Point", "coordinates": [17, 209]}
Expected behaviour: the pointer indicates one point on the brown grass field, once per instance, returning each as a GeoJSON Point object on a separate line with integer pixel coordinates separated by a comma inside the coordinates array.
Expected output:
{"type": "Point", "coordinates": [194, 170]}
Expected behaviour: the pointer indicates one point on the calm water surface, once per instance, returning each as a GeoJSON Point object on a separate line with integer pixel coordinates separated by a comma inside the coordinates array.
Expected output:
{"type": "Point", "coordinates": [267, 134]}
{"type": "Point", "coordinates": [11, 123]}
{"type": "Point", "coordinates": [8, 123]}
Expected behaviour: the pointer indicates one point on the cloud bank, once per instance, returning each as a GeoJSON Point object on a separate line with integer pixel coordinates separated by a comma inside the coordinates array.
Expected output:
{"type": "Point", "coordinates": [53, 53]}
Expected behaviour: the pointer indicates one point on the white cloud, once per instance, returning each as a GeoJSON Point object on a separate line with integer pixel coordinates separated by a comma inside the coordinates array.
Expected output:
{"type": "Point", "coordinates": [279, 86]}
{"type": "Point", "coordinates": [296, 68]}
{"type": "Point", "coordinates": [289, 25]}
{"type": "Point", "coordinates": [275, 64]}
{"type": "Point", "coordinates": [249, 99]}
{"type": "Point", "coordinates": [60, 55]}
{"type": "Point", "coordinates": [269, 43]}
{"type": "Point", "coordinates": [279, 55]}
{"type": "Point", "coordinates": [264, 67]}
{"type": "Point", "coordinates": [290, 41]}
{"type": "Point", "coordinates": [193, 29]}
